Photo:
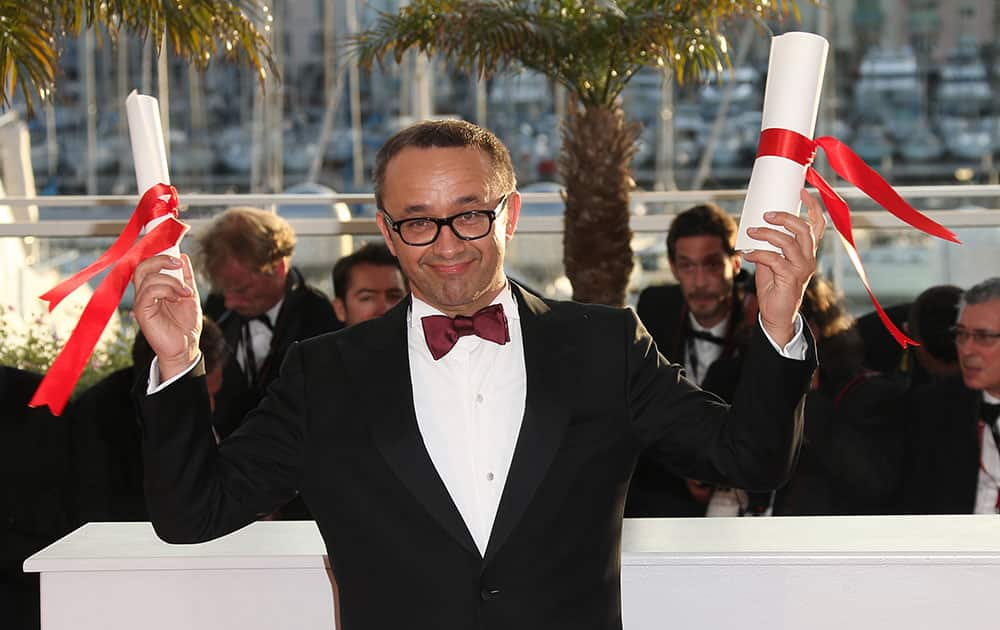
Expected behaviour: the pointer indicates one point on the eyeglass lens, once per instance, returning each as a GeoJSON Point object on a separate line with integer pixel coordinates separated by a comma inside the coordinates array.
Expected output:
{"type": "Point", "coordinates": [468, 225]}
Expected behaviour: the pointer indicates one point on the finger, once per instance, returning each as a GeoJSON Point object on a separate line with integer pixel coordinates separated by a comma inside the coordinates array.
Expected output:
{"type": "Point", "coordinates": [153, 265]}
{"type": "Point", "coordinates": [803, 250]}
{"type": "Point", "coordinates": [788, 244]}
{"type": "Point", "coordinates": [188, 273]}
{"type": "Point", "coordinates": [160, 286]}
{"type": "Point", "coordinates": [778, 265]}
{"type": "Point", "coordinates": [798, 226]}
{"type": "Point", "coordinates": [817, 220]}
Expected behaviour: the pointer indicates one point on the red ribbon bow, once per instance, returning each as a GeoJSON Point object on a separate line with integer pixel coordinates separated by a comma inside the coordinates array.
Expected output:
{"type": "Point", "coordinates": [801, 149]}
{"type": "Point", "coordinates": [442, 333]}
{"type": "Point", "coordinates": [122, 257]}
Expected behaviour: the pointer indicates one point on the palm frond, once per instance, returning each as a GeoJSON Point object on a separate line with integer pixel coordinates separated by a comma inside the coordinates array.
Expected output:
{"type": "Point", "coordinates": [199, 31]}
{"type": "Point", "coordinates": [592, 47]}
{"type": "Point", "coordinates": [27, 50]}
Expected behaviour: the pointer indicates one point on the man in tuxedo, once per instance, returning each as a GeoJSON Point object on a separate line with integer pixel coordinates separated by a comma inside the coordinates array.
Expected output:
{"type": "Point", "coordinates": [36, 498]}
{"type": "Point", "coordinates": [366, 284]}
{"type": "Point", "coordinates": [704, 322]}
{"type": "Point", "coordinates": [953, 464]}
{"type": "Point", "coordinates": [466, 456]}
{"type": "Point", "coordinates": [260, 301]}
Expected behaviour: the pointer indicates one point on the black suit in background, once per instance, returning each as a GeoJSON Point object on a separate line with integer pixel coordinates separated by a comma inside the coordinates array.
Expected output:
{"type": "Point", "coordinates": [851, 460]}
{"type": "Point", "coordinates": [108, 450]}
{"type": "Point", "coordinates": [942, 463]}
{"type": "Point", "coordinates": [340, 425]}
{"type": "Point", "coordinates": [882, 352]}
{"type": "Point", "coordinates": [655, 490]}
{"type": "Point", "coordinates": [35, 503]}
{"type": "Point", "coordinates": [305, 312]}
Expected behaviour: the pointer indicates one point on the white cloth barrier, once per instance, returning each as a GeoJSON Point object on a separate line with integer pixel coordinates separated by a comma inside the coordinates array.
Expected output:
{"type": "Point", "coordinates": [750, 573]}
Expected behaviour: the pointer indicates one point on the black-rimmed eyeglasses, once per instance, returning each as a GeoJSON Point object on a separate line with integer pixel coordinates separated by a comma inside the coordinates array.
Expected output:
{"type": "Point", "coordinates": [981, 337]}
{"type": "Point", "coordinates": [468, 226]}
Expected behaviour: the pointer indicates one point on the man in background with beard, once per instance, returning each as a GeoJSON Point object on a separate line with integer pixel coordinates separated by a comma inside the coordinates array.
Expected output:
{"type": "Point", "coordinates": [703, 318]}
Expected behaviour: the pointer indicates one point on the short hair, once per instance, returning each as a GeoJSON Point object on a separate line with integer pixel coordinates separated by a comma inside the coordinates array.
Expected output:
{"type": "Point", "coordinates": [932, 313]}
{"type": "Point", "coordinates": [981, 293]}
{"type": "Point", "coordinates": [254, 237]}
{"type": "Point", "coordinates": [370, 253]}
{"type": "Point", "coordinates": [838, 342]}
{"type": "Point", "coordinates": [705, 219]}
{"type": "Point", "coordinates": [823, 308]}
{"type": "Point", "coordinates": [447, 134]}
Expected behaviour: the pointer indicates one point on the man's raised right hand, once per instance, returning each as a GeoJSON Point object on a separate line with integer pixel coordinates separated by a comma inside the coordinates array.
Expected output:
{"type": "Point", "coordinates": [168, 312]}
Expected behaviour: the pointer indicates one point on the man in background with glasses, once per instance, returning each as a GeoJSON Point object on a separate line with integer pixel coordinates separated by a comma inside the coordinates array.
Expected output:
{"type": "Point", "coordinates": [466, 455]}
{"type": "Point", "coordinates": [953, 463]}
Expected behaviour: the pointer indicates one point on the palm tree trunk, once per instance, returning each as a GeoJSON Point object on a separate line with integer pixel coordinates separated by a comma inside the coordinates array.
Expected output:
{"type": "Point", "coordinates": [594, 162]}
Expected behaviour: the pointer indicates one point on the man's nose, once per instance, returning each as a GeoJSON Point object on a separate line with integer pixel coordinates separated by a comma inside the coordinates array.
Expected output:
{"type": "Point", "coordinates": [701, 275]}
{"type": "Point", "coordinates": [232, 300]}
{"type": "Point", "coordinates": [447, 242]}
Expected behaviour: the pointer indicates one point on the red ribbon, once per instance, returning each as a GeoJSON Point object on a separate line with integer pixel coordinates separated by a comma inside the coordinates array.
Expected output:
{"type": "Point", "coordinates": [122, 257]}
{"type": "Point", "coordinates": [801, 149]}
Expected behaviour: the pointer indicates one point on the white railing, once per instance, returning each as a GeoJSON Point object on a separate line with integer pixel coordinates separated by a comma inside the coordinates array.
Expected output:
{"type": "Point", "coordinates": [972, 206]}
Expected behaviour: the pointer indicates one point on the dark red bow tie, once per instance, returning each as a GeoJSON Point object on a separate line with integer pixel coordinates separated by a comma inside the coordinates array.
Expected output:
{"type": "Point", "coordinates": [442, 333]}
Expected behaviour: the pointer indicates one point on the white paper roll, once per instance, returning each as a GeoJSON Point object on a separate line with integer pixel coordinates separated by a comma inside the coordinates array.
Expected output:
{"type": "Point", "coordinates": [149, 153]}
{"type": "Point", "coordinates": [791, 101]}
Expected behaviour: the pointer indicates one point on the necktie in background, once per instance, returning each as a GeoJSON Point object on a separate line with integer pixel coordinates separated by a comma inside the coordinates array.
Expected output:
{"type": "Point", "coordinates": [442, 333]}
{"type": "Point", "coordinates": [252, 368]}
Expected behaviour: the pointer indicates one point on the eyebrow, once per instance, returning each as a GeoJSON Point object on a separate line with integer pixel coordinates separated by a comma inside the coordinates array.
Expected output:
{"type": "Point", "coordinates": [714, 255]}
{"type": "Point", "coordinates": [423, 209]}
{"type": "Point", "coordinates": [363, 290]}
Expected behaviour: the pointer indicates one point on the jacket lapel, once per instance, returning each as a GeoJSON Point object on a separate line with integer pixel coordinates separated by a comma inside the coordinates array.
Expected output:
{"type": "Point", "coordinates": [545, 419]}
{"type": "Point", "coordinates": [381, 360]}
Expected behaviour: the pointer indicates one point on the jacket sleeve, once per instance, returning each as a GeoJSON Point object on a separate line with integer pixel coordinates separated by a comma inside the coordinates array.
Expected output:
{"type": "Point", "coordinates": [196, 490]}
{"type": "Point", "coordinates": [752, 444]}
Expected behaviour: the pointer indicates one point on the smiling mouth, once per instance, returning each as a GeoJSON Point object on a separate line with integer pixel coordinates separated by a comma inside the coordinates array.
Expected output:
{"type": "Point", "coordinates": [449, 269]}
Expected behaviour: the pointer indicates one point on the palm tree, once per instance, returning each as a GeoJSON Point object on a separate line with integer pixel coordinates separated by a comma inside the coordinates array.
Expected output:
{"type": "Point", "coordinates": [592, 48]}
{"type": "Point", "coordinates": [198, 30]}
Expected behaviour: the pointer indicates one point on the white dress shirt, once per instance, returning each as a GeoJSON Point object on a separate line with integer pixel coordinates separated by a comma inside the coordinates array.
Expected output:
{"type": "Point", "coordinates": [261, 335]}
{"type": "Point", "coordinates": [469, 407]}
{"type": "Point", "coordinates": [989, 469]}
{"type": "Point", "coordinates": [705, 351]}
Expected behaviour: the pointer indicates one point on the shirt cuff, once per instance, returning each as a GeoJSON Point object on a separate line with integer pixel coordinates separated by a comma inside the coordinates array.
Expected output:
{"type": "Point", "coordinates": [794, 349]}
{"type": "Point", "coordinates": [156, 386]}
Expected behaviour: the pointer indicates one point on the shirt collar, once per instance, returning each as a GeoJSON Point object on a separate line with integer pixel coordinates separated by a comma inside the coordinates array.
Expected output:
{"type": "Point", "coordinates": [420, 309]}
{"type": "Point", "coordinates": [992, 400]}
{"type": "Point", "coordinates": [272, 313]}
{"type": "Point", "coordinates": [718, 330]}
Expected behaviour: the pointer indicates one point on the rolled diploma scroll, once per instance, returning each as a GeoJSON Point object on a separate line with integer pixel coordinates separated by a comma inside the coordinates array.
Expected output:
{"type": "Point", "coordinates": [149, 155]}
{"type": "Point", "coordinates": [791, 101]}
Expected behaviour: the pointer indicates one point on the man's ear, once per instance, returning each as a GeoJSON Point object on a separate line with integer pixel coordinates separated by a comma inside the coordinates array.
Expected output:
{"type": "Point", "coordinates": [280, 267]}
{"type": "Point", "coordinates": [340, 309]}
{"type": "Point", "coordinates": [513, 213]}
{"type": "Point", "coordinates": [386, 235]}
{"type": "Point", "coordinates": [737, 262]}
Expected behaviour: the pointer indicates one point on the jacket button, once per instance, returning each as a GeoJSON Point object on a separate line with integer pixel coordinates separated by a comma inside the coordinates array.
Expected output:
{"type": "Point", "coordinates": [489, 593]}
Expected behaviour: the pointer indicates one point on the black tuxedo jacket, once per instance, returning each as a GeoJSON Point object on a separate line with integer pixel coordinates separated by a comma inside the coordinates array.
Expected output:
{"type": "Point", "coordinates": [339, 425]}
{"type": "Point", "coordinates": [306, 312]}
{"type": "Point", "coordinates": [942, 454]}
{"type": "Point", "coordinates": [656, 491]}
